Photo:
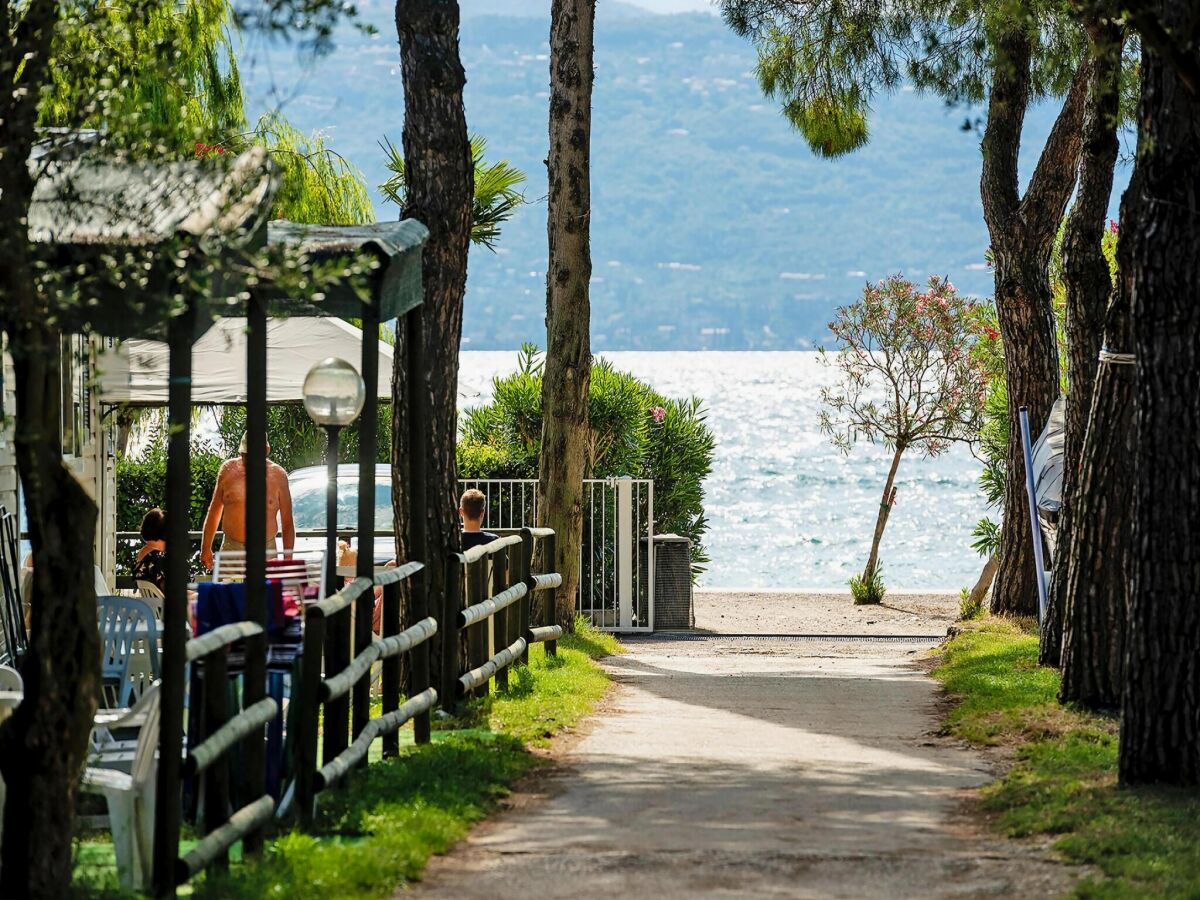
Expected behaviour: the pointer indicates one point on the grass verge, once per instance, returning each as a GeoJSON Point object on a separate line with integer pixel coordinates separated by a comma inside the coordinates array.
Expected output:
{"type": "Point", "coordinates": [380, 831]}
{"type": "Point", "coordinates": [1144, 842]}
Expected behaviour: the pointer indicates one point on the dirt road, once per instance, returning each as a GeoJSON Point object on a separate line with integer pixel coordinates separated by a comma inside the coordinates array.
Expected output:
{"type": "Point", "coordinates": [761, 767]}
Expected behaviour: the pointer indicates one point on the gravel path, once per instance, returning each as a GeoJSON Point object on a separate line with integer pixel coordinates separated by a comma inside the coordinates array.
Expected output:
{"type": "Point", "coordinates": [761, 767]}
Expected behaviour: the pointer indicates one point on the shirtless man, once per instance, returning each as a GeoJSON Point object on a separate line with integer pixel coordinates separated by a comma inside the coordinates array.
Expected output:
{"type": "Point", "coordinates": [229, 503]}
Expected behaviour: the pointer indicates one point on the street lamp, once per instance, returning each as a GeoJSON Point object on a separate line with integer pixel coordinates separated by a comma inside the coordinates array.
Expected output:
{"type": "Point", "coordinates": [333, 397]}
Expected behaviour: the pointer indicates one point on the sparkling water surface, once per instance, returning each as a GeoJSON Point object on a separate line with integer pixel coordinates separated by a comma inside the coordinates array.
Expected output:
{"type": "Point", "coordinates": [787, 510]}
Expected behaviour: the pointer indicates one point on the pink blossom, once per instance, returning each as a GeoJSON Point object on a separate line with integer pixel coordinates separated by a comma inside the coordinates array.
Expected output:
{"type": "Point", "coordinates": [658, 413]}
{"type": "Point", "coordinates": [1112, 225]}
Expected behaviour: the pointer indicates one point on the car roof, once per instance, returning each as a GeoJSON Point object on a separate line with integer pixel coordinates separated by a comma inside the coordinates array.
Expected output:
{"type": "Point", "coordinates": [343, 469]}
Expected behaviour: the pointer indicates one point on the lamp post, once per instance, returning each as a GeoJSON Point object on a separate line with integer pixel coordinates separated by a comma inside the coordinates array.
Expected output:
{"type": "Point", "coordinates": [333, 397]}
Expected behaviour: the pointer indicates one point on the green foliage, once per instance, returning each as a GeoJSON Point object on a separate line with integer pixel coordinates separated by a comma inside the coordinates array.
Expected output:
{"type": "Point", "coordinates": [825, 60]}
{"type": "Point", "coordinates": [968, 609]}
{"type": "Point", "coordinates": [986, 538]}
{"type": "Point", "coordinates": [142, 484]}
{"type": "Point", "coordinates": [870, 591]}
{"type": "Point", "coordinates": [377, 832]}
{"type": "Point", "coordinates": [155, 75]}
{"type": "Point", "coordinates": [568, 686]}
{"type": "Point", "coordinates": [913, 348]}
{"type": "Point", "coordinates": [317, 185]}
{"type": "Point", "coordinates": [987, 353]}
{"type": "Point", "coordinates": [296, 441]}
{"type": "Point", "coordinates": [496, 194]}
{"type": "Point", "coordinates": [633, 431]}
{"type": "Point", "coordinates": [1144, 842]}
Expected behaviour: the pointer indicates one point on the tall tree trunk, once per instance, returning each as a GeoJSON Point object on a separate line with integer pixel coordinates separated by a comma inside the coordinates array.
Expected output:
{"type": "Point", "coordinates": [440, 176]}
{"type": "Point", "coordinates": [43, 744]}
{"type": "Point", "coordinates": [1088, 283]}
{"type": "Point", "coordinates": [1022, 231]}
{"type": "Point", "coordinates": [885, 510]}
{"type": "Point", "coordinates": [1095, 591]}
{"type": "Point", "coordinates": [568, 312]}
{"type": "Point", "coordinates": [1160, 728]}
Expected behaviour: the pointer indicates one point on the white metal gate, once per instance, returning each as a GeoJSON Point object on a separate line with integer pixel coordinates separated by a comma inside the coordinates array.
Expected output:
{"type": "Point", "coordinates": [616, 566]}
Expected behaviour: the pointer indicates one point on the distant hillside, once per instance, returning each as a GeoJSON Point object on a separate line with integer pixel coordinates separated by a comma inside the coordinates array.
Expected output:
{"type": "Point", "coordinates": [712, 226]}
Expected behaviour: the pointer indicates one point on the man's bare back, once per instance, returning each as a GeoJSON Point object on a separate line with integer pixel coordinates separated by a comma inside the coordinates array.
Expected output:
{"type": "Point", "coordinates": [228, 507]}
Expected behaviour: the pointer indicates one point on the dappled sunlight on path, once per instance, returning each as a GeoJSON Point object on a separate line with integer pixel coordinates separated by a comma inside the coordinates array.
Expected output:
{"type": "Point", "coordinates": [770, 770]}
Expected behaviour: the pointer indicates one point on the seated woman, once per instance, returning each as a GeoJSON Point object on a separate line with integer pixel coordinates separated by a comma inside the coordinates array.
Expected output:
{"type": "Point", "coordinates": [151, 562]}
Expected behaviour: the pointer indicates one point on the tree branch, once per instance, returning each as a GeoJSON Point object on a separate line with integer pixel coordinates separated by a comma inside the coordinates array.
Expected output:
{"type": "Point", "coordinates": [1054, 178]}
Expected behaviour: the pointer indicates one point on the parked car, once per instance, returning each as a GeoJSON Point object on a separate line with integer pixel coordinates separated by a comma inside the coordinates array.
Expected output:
{"type": "Point", "coordinates": [308, 505]}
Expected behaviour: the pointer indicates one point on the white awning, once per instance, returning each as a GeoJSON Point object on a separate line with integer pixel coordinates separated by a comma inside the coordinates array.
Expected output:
{"type": "Point", "coordinates": [135, 373]}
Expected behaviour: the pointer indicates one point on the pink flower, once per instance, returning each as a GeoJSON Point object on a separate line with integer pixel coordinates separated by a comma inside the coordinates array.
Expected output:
{"type": "Point", "coordinates": [658, 413]}
{"type": "Point", "coordinates": [1112, 225]}
{"type": "Point", "coordinates": [992, 333]}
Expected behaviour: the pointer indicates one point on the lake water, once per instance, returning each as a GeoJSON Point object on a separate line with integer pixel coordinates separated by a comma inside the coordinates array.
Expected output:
{"type": "Point", "coordinates": [785, 508]}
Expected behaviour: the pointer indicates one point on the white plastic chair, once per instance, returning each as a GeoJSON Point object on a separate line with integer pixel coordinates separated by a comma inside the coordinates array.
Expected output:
{"type": "Point", "coordinates": [149, 592]}
{"type": "Point", "coordinates": [130, 798]}
{"type": "Point", "coordinates": [110, 751]}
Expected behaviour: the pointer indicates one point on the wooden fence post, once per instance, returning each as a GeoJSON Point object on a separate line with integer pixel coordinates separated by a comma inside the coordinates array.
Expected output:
{"type": "Point", "coordinates": [477, 634]}
{"type": "Point", "coordinates": [391, 665]}
{"type": "Point", "coordinates": [335, 724]}
{"type": "Point", "coordinates": [216, 776]}
{"type": "Point", "coordinates": [448, 629]}
{"type": "Point", "coordinates": [549, 614]}
{"type": "Point", "coordinates": [500, 634]}
{"type": "Point", "coordinates": [307, 696]}
{"type": "Point", "coordinates": [525, 564]}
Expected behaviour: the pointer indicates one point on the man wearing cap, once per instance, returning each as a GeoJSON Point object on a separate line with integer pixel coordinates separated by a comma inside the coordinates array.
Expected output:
{"type": "Point", "coordinates": [228, 507]}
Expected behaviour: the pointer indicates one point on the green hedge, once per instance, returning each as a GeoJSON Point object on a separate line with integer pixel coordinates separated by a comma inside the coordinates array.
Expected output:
{"type": "Point", "coordinates": [502, 439]}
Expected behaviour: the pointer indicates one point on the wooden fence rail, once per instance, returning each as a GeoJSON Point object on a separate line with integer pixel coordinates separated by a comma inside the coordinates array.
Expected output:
{"type": "Point", "coordinates": [498, 626]}
{"type": "Point", "coordinates": [500, 586]}
{"type": "Point", "coordinates": [322, 684]}
{"type": "Point", "coordinates": [221, 733]}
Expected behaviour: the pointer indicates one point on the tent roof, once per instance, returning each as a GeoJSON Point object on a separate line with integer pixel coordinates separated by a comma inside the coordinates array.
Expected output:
{"type": "Point", "coordinates": [135, 372]}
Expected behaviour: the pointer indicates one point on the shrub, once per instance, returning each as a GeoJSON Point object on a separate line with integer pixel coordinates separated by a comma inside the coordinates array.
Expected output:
{"type": "Point", "coordinates": [142, 484]}
{"type": "Point", "coordinates": [968, 609]}
{"type": "Point", "coordinates": [869, 591]}
{"type": "Point", "coordinates": [634, 431]}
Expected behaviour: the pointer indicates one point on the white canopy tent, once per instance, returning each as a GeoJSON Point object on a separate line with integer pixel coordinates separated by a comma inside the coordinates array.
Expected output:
{"type": "Point", "coordinates": [134, 373]}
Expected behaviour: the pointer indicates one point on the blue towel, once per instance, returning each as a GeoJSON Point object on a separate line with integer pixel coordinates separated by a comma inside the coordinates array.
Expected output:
{"type": "Point", "coordinates": [219, 603]}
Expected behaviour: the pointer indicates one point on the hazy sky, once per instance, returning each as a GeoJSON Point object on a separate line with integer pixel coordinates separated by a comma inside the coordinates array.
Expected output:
{"type": "Point", "coordinates": [672, 6]}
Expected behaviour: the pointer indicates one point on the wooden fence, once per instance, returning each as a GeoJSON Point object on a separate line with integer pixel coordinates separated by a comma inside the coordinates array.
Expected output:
{"type": "Point", "coordinates": [499, 582]}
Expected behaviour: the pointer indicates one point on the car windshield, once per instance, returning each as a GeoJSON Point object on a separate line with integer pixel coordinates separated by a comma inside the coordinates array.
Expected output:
{"type": "Point", "coordinates": [308, 503]}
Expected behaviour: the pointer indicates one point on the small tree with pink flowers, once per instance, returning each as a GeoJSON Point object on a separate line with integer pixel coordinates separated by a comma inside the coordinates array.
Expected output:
{"type": "Point", "coordinates": [907, 380]}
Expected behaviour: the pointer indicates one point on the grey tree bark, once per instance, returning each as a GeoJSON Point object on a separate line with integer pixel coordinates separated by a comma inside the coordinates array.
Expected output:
{"type": "Point", "coordinates": [1088, 285]}
{"type": "Point", "coordinates": [1022, 230]}
{"type": "Point", "coordinates": [440, 177]}
{"type": "Point", "coordinates": [567, 371]}
{"type": "Point", "coordinates": [1160, 725]}
{"type": "Point", "coordinates": [43, 745]}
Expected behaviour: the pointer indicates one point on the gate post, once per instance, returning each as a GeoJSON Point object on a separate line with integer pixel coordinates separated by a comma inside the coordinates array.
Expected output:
{"type": "Point", "coordinates": [624, 546]}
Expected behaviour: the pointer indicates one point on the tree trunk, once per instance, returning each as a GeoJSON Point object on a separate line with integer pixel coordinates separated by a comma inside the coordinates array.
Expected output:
{"type": "Point", "coordinates": [885, 510]}
{"type": "Point", "coordinates": [568, 313]}
{"type": "Point", "coordinates": [437, 155]}
{"type": "Point", "coordinates": [1160, 728]}
{"type": "Point", "coordinates": [986, 577]}
{"type": "Point", "coordinates": [1095, 591]}
{"type": "Point", "coordinates": [1088, 285]}
{"type": "Point", "coordinates": [44, 744]}
{"type": "Point", "coordinates": [1022, 231]}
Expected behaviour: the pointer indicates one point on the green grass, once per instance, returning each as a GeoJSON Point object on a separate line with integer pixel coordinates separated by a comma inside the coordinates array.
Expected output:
{"type": "Point", "coordinates": [1144, 842]}
{"type": "Point", "coordinates": [380, 831]}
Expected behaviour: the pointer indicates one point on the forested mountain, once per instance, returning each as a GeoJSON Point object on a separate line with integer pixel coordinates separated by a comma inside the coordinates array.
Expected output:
{"type": "Point", "coordinates": [713, 225]}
